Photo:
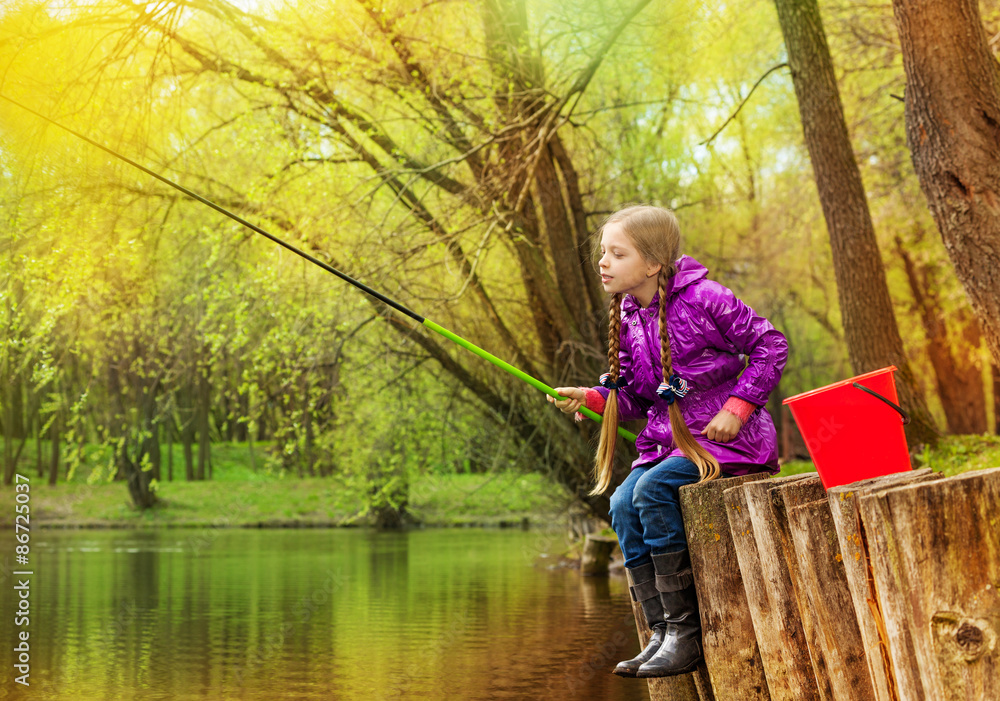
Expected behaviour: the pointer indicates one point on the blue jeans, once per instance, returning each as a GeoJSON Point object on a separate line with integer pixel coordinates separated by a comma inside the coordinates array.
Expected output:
{"type": "Point", "coordinates": [646, 510]}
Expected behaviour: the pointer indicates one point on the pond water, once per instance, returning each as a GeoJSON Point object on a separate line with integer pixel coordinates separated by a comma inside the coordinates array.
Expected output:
{"type": "Point", "coordinates": [314, 614]}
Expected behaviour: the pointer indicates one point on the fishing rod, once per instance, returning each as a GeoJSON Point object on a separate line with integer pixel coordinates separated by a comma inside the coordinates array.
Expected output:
{"type": "Point", "coordinates": [451, 336]}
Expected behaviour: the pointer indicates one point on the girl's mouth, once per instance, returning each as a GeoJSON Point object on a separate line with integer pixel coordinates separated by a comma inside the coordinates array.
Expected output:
{"type": "Point", "coordinates": [605, 278]}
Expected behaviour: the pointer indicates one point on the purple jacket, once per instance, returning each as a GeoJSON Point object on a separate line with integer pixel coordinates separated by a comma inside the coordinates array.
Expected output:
{"type": "Point", "coordinates": [710, 332]}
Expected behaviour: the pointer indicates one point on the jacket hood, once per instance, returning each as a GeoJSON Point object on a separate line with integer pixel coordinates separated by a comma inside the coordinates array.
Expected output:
{"type": "Point", "coordinates": [689, 271]}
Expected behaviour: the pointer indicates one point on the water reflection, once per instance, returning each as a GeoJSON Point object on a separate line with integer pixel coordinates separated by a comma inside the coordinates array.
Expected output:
{"type": "Point", "coordinates": [316, 614]}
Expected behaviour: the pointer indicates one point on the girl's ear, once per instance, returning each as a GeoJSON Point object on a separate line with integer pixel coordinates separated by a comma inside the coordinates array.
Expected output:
{"type": "Point", "coordinates": [653, 269]}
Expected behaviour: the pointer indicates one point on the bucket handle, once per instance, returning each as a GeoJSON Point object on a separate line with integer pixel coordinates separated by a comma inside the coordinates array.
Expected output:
{"type": "Point", "coordinates": [902, 412]}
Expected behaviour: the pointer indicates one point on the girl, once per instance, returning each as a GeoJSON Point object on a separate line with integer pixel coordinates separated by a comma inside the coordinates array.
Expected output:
{"type": "Point", "coordinates": [698, 364]}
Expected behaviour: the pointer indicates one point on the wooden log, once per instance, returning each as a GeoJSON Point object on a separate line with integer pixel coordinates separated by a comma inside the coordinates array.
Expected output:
{"type": "Point", "coordinates": [775, 616]}
{"type": "Point", "coordinates": [828, 599]}
{"type": "Point", "coordinates": [793, 633]}
{"type": "Point", "coordinates": [942, 547]}
{"type": "Point", "coordinates": [596, 554]}
{"type": "Point", "coordinates": [857, 568]}
{"type": "Point", "coordinates": [731, 654]}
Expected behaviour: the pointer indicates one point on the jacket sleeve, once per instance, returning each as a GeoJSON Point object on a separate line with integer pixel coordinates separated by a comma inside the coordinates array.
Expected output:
{"type": "Point", "coordinates": [739, 329]}
{"type": "Point", "coordinates": [630, 405]}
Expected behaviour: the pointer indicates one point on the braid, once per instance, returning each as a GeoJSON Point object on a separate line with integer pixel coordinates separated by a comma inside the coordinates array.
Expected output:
{"type": "Point", "coordinates": [708, 466]}
{"type": "Point", "coordinates": [614, 334]}
{"type": "Point", "coordinates": [665, 360]}
{"type": "Point", "coordinates": [604, 462]}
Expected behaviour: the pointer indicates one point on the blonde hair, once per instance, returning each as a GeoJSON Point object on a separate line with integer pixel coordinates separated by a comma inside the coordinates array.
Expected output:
{"type": "Point", "coordinates": [655, 233]}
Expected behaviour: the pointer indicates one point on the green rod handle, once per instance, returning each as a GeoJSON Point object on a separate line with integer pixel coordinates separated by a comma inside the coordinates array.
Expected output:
{"type": "Point", "coordinates": [520, 374]}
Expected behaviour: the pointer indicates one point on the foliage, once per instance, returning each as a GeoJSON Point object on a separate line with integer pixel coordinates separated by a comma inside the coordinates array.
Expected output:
{"type": "Point", "coordinates": [454, 167]}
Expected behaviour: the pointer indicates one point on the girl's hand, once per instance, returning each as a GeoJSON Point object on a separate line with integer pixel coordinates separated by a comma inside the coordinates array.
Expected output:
{"type": "Point", "coordinates": [573, 401]}
{"type": "Point", "coordinates": [723, 427]}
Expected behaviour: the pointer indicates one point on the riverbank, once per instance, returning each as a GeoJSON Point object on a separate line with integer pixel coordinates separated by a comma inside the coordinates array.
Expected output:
{"type": "Point", "coordinates": [239, 496]}
{"type": "Point", "coordinates": [452, 500]}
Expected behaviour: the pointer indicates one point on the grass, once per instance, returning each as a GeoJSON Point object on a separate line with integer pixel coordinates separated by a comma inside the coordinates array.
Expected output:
{"type": "Point", "coordinates": [238, 495]}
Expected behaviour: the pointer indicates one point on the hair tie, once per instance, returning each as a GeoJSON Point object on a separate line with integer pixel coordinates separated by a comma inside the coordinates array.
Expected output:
{"type": "Point", "coordinates": [675, 387]}
{"type": "Point", "coordinates": [608, 383]}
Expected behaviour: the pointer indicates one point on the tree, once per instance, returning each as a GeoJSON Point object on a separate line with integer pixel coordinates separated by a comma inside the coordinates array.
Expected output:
{"type": "Point", "coordinates": [481, 186]}
{"type": "Point", "coordinates": [870, 329]}
{"type": "Point", "coordinates": [957, 365]}
{"type": "Point", "coordinates": [953, 131]}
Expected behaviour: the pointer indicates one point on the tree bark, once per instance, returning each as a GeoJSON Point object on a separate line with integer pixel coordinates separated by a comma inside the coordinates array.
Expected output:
{"type": "Point", "coordinates": [55, 435]}
{"type": "Point", "coordinates": [995, 372]}
{"type": "Point", "coordinates": [202, 425]}
{"type": "Point", "coordinates": [870, 329]}
{"type": "Point", "coordinates": [953, 129]}
{"type": "Point", "coordinates": [957, 372]}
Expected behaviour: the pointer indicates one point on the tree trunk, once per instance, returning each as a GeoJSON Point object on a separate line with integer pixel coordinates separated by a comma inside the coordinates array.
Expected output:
{"type": "Point", "coordinates": [155, 456]}
{"type": "Point", "coordinates": [870, 329]}
{"type": "Point", "coordinates": [995, 372]}
{"type": "Point", "coordinates": [187, 434]}
{"type": "Point", "coordinates": [953, 129]}
{"type": "Point", "coordinates": [55, 436]}
{"type": "Point", "coordinates": [170, 449]}
{"type": "Point", "coordinates": [240, 433]}
{"type": "Point", "coordinates": [202, 425]}
{"type": "Point", "coordinates": [958, 374]}
{"type": "Point", "coordinates": [39, 464]}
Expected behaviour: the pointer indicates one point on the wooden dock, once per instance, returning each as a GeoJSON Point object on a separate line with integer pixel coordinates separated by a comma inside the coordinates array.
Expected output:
{"type": "Point", "coordinates": [881, 590]}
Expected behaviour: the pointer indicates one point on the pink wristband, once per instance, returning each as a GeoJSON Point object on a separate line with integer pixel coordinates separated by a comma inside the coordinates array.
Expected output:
{"type": "Point", "coordinates": [739, 407]}
{"type": "Point", "coordinates": [593, 400]}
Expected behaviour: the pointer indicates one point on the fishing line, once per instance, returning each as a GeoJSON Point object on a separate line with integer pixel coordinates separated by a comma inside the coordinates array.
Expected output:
{"type": "Point", "coordinates": [451, 336]}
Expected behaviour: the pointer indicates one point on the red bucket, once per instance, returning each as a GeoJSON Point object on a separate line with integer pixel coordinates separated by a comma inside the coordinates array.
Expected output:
{"type": "Point", "coordinates": [853, 428]}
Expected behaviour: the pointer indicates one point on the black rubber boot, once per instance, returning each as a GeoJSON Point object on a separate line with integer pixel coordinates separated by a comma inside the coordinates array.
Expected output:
{"type": "Point", "coordinates": [642, 587]}
{"type": "Point", "coordinates": [680, 651]}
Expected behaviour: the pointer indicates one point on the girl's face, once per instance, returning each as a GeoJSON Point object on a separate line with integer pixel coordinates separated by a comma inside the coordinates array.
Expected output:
{"type": "Point", "coordinates": [623, 270]}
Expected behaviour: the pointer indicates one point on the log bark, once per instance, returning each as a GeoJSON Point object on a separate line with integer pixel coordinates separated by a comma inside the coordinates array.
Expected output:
{"type": "Point", "coordinates": [773, 546]}
{"type": "Point", "coordinates": [775, 617]}
{"type": "Point", "coordinates": [731, 654]}
{"type": "Point", "coordinates": [942, 544]}
{"type": "Point", "coordinates": [952, 129]}
{"type": "Point", "coordinates": [784, 498]}
{"type": "Point", "coordinates": [844, 507]}
{"type": "Point", "coordinates": [870, 329]}
{"type": "Point", "coordinates": [828, 598]}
